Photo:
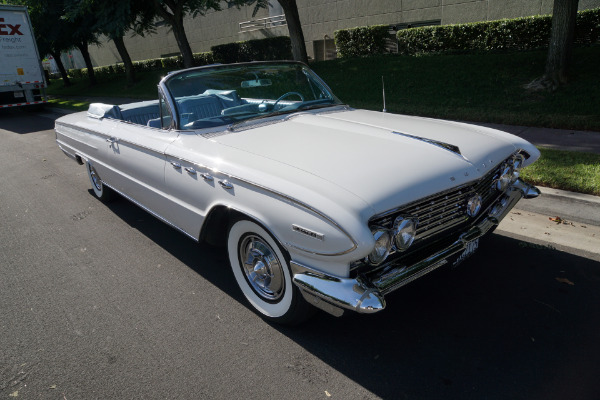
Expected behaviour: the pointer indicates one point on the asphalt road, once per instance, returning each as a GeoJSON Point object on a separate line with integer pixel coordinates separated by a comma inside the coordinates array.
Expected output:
{"type": "Point", "coordinates": [106, 302]}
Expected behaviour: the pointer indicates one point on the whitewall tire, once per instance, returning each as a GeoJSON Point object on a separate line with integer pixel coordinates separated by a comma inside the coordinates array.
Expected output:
{"type": "Point", "coordinates": [101, 191]}
{"type": "Point", "coordinates": [262, 273]}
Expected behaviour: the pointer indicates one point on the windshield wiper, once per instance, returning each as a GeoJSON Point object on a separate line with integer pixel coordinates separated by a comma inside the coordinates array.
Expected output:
{"type": "Point", "coordinates": [231, 127]}
{"type": "Point", "coordinates": [317, 106]}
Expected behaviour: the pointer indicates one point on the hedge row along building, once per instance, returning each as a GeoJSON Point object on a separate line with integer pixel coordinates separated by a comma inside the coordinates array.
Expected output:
{"type": "Point", "coordinates": [320, 19]}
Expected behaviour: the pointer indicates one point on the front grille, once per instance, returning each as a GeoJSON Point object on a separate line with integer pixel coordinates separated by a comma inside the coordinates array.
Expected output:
{"type": "Point", "coordinates": [445, 210]}
{"type": "Point", "coordinates": [442, 217]}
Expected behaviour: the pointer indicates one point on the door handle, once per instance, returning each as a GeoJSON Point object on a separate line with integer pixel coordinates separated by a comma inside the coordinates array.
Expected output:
{"type": "Point", "coordinates": [175, 165]}
{"type": "Point", "coordinates": [190, 170]}
{"type": "Point", "coordinates": [207, 177]}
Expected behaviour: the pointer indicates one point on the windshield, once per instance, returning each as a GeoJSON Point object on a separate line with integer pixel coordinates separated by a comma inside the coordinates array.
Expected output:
{"type": "Point", "coordinates": [211, 97]}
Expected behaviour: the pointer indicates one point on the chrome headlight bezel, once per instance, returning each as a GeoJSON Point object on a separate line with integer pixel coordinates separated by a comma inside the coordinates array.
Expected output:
{"type": "Point", "coordinates": [383, 245]}
{"type": "Point", "coordinates": [404, 232]}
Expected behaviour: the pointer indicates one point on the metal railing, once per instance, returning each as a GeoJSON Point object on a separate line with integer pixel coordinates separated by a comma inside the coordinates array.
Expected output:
{"type": "Point", "coordinates": [263, 23]}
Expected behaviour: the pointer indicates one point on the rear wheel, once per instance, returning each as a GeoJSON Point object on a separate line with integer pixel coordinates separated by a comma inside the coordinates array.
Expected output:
{"type": "Point", "coordinates": [263, 274]}
{"type": "Point", "coordinates": [101, 191]}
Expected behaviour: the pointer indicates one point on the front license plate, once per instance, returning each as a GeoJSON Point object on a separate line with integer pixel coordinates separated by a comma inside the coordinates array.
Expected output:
{"type": "Point", "coordinates": [470, 248]}
{"type": "Point", "coordinates": [19, 94]}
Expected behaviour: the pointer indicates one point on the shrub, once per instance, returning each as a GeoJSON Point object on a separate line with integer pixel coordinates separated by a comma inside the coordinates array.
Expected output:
{"type": "Point", "coordinates": [362, 41]}
{"type": "Point", "coordinates": [507, 34]}
{"type": "Point", "coordinates": [203, 58]}
{"type": "Point", "coordinates": [275, 48]}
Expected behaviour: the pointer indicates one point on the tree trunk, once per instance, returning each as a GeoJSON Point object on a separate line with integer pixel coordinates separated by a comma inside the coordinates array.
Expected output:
{"type": "Point", "coordinates": [129, 72]}
{"type": "Point", "coordinates": [564, 18]}
{"type": "Point", "coordinates": [83, 48]}
{"type": "Point", "coordinates": [290, 9]}
{"type": "Point", "coordinates": [61, 68]}
{"type": "Point", "coordinates": [182, 42]}
{"type": "Point", "coordinates": [175, 20]}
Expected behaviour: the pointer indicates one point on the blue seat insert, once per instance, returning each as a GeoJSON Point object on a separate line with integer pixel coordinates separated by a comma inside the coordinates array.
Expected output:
{"type": "Point", "coordinates": [140, 112]}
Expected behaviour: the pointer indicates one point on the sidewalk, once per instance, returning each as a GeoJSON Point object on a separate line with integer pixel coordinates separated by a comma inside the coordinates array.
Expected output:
{"type": "Point", "coordinates": [559, 139]}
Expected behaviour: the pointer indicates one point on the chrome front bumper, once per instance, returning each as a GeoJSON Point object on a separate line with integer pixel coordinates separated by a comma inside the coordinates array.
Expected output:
{"type": "Point", "coordinates": [366, 295]}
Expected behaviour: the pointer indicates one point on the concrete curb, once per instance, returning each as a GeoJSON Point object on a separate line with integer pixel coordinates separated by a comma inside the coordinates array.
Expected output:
{"type": "Point", "coordinates": [550, 192]}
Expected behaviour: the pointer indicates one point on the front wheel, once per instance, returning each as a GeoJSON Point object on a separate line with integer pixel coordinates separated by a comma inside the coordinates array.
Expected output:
{"type": "Point", "coordinates": [263, 275]}
{"type": "Point", "coordinates": [101, 191]}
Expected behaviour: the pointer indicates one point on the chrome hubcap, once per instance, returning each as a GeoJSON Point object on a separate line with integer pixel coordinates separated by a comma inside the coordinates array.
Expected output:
{"type": "Point", "coordinates": [261, 267]}
{"type": "Point", "coordinates": [95, 178]}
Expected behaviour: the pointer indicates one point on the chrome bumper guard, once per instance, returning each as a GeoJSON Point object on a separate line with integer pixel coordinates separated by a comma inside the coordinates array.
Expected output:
{"type": "Point", "coordinates": [366, 295]}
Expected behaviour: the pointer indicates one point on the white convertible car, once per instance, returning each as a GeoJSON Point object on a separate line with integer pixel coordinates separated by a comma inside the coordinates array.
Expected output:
{"type": "Point", "coordinates": [319, 204]}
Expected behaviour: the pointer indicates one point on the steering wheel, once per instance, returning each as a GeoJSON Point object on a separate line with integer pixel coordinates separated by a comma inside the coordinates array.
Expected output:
{"type": "Point", "coordinates": [283, 96]}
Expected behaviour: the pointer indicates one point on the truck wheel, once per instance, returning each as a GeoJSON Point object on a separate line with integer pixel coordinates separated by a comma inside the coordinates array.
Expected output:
{"type": "Point", "coordinates": [263, 275]}
{"type": "Point", "coordinates": [102, 192]}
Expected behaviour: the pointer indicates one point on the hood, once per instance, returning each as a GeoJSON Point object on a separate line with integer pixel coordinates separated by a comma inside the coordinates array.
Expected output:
{"type": "Point", "coordinates": [380, 158]}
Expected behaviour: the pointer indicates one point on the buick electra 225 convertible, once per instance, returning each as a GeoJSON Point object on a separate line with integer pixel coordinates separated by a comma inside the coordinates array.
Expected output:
{"type": "Point", "coordinates": [318, 203]}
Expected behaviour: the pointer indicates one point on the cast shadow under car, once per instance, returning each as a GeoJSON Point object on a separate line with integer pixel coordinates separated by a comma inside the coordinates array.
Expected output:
{"type": "Point", "coordinates": [515, 321]}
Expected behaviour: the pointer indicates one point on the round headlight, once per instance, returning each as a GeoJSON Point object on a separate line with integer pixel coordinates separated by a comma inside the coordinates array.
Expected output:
{"type": "Point", "coordinates": [383, 245]}
{"type": "Point", "coordinates": [405, 230]}
{"type": "Point", "coordinates": [506, 176]}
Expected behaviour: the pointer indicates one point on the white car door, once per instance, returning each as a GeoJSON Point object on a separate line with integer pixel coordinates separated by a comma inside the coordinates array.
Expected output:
{"type": "Point", "coordinates": [136, 157]}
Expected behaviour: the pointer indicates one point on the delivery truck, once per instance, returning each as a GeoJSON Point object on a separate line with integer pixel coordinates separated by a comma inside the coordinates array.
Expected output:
{"type": "Point", "coordinates": [22, 79]}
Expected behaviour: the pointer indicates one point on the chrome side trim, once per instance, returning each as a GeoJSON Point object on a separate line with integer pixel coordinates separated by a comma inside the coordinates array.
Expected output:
{"type": "Point", "coordinates": [288, 198]}
{"type": "Point", "coordinates": [67, 153]}
{"type": "Point", "coordinates": [154, 214]}
{"type": "Point", "coordinates": [110, 138]}
{"type": "Point", "coordinates": [80, 129]}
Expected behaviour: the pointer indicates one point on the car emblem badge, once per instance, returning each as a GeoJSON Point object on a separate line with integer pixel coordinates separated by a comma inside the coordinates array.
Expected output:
{"type": "Point", "coordinates": [308, 232]}
{"type": "Point", "coordinates": [474, 205]}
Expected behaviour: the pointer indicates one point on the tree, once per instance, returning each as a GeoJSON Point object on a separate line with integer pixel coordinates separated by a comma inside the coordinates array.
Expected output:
{"type": "Point", "coordinates": [173, 11]}
{"type": "Point", "coordinates": [114, 19]}
{"type": "Point", "coordinates": [290, 9]}
{"type": "Point", "coordinates": [564, 18]}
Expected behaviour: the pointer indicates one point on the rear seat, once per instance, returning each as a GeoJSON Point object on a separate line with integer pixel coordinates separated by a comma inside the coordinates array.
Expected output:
{"type": "Point", "coordinates": [141, 112]}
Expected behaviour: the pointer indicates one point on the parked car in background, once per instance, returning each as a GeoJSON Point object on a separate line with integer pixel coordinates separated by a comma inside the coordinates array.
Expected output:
{"type": "Point", "coordinates": [319, 204]}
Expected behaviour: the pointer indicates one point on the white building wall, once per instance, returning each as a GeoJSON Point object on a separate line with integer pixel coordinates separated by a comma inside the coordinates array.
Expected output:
{"type": "Point", "coordinates": [320, 19]}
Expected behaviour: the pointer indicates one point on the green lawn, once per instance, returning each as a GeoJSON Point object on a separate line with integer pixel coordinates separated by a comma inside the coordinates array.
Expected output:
{"type": "Point", "coordinates": [567, 170]}
{"type": "Point", "coordinates": [471, 87]}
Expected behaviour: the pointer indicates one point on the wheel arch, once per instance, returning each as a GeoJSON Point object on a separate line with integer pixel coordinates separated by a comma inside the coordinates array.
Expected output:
{"type": "Point", "coordinates": [221, 217]}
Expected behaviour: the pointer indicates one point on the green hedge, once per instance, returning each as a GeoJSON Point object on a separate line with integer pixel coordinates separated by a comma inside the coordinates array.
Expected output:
{"type": "Point", "coordinates": [153, 64]}
{"type": "Point", "coordinates": [507, 34]}
{"type": "Point", "coordinates": [361, 41]}
{"type": "Point", "coordinates": [275, 48]}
